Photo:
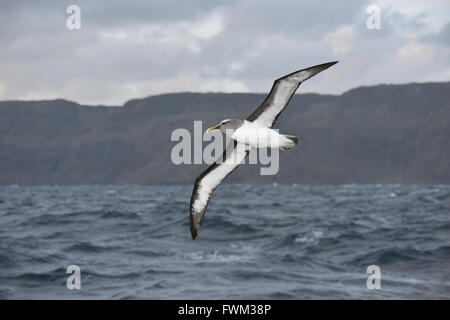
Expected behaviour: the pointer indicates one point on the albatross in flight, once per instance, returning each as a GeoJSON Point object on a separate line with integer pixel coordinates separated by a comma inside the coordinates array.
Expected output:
{"type": "Point", "coordinates": [254, 132]}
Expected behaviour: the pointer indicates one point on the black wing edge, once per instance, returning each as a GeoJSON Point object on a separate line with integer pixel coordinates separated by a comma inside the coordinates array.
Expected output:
{"type": "Point", "coordinates": [196, 223]}
{"type": "Point", "coordinates": [316, 69]}
{"type": "Point", "coordinates": [269, 98]}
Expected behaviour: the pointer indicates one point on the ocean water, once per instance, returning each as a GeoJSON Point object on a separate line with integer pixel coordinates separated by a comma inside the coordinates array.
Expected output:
{"type": "Point", "coordinates": [256, 242]}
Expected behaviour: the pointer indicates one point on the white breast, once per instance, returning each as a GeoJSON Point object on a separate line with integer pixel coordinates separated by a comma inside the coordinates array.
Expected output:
{"type": "Point", "coordinates": [258, 136]}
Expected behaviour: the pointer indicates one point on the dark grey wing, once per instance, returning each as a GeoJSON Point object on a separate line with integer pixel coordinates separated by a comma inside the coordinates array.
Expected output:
{"type": "Point", "coordinates": [210, 179]}
{"type": "Point", "coordinates": [282, 91]}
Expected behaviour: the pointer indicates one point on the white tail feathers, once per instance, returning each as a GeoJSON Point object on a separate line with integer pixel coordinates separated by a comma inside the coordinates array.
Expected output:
{"type": "Point", "coordinates": [293, 141]}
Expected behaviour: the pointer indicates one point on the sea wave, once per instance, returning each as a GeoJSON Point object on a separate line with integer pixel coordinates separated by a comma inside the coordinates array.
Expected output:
{"type": "Point", "coordinates": [279, 242]}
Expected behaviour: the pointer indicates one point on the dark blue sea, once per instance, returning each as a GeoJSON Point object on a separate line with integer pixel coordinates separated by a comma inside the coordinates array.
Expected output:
{"type": "Point", "coordinates": [256, 242]}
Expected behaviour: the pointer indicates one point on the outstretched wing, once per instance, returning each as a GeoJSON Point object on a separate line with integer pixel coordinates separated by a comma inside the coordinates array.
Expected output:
{"type": "Point", "coordinates": [209, 180]}
{"type": "Point", "coordinates": [282, 91]}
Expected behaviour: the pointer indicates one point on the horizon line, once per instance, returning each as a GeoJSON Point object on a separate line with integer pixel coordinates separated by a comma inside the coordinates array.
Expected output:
{"type": "Point", "coordinates": [215, 92]}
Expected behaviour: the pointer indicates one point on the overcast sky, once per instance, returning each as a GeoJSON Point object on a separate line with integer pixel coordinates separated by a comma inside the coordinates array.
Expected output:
{"type": "Point", "coordinates": [132, 49]}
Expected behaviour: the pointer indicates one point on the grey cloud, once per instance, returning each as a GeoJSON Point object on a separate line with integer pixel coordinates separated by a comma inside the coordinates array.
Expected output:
{"type": "Point", "coordinates": [441, 38]}
{"type": "Point", "coordinates": [109, 61]}
{"type": "Point", "coordinates": [444, 35]}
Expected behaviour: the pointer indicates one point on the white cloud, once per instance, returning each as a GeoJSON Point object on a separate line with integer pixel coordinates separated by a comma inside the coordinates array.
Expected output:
{"type": "Point", "coordinates": [223, 85]}
{"type": "Point", "coordinates": [342, 40]}
{"type": "Point", "coordinates": [236, 66]}
{"type": "Point", "coordinates": [182, 34]}
{"type": "Point", "coordinates": [433, 13]}
{"type": "Point", "coordinates": [414, 51]}
{"type": "Point", "coordinates": [88, 51]}
{"type": "Point", "coordinates": [208, 27]}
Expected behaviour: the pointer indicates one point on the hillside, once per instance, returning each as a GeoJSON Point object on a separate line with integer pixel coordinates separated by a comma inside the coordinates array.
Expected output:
{"type": "Point", "coordinates": [379, 134]}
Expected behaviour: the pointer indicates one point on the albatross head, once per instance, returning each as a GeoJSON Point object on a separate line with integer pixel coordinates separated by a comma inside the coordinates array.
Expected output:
{"type": "Point", "coordinates": [228, 124]}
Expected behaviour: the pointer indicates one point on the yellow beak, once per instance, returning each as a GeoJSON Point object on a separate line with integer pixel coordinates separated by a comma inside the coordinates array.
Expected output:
{"type": "Point", "coordinates": [213, 128]}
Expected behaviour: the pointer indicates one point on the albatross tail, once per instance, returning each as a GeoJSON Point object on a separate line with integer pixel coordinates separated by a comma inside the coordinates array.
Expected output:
{"type": "Point", "coordinates": [293, 141]}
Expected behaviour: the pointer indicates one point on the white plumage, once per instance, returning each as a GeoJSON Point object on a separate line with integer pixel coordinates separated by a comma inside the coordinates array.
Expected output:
{"type": "Point", "coordinates": [257, 136]}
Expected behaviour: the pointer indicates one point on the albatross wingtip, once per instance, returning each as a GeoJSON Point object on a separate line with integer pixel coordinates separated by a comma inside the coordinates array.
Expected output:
{"type": "Point", "coordinates": [332, 63]}
{"type": "Point", "coordinates": [193, 233]}
{"type": "Point", "coordinates": [193, 228]}
{"type": "Point", "coordinates": [312, 71]}
{"type": "Point", "coordinates": [326, 65]}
